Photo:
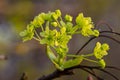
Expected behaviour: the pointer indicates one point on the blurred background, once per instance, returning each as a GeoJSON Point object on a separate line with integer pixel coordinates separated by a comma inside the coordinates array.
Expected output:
{"type": "Point", "coordinates": [30, 57]}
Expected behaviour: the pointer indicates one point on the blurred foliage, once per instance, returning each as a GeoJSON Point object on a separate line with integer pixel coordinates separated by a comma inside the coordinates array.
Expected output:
{"type": "Point", "coordinates": [19, 13]}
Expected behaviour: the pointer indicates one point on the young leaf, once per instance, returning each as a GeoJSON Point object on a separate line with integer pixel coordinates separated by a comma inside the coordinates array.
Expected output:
{"type": "Point", "coordinates": [72, 62]}
{"type": "Point", "coordinates": [53, 58]}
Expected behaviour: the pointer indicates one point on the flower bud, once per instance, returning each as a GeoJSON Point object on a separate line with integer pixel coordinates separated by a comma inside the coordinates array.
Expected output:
{"type": "Point", "coordinates": [54, 24]}
{"type": "Point", "coordinates": [68, 18]}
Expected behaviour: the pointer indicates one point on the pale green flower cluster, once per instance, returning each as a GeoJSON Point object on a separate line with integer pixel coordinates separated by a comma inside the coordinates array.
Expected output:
{"type": "Point", "coordinates": [100, 51]}
{"type": "Point", "coordinates": [55, 32]}
{"type": "Point", "coordinates": [86, 25]}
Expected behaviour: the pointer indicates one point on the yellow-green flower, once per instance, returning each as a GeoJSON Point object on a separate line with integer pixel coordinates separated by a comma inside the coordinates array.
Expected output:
{"type": "Point", "coordinates": [28, 33]}
{"type": "Point", "coordinates": [86, 25]}
{"type": "Point", "coordinates": [102, 63]}
{"type": "Point", "coordinates": [68, 18]}
{"type": "Point", "coordinates": [101, 50]}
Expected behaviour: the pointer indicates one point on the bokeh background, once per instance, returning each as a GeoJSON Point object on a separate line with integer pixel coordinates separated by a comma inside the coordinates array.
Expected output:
{"type": "Point", "coordinates": [30, 57]}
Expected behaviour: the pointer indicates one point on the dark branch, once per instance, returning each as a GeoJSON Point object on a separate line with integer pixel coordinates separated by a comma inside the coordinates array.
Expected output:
{"type": "Point", "coordinates": [92, 38]}
{"type": "Point", "coordinates": [69, 71]}
{"type": "Point", "coordinates": [85, 45]}
{"type": "Point", "coordinates": [110, 32]}
{"type": "Point", "coordinates": [110, 38]}
{"type": "Point", "coordinates": [104, 23]}
{"type": "Point", "coordinates": [56, 74]}
{"type": "Point", "coordinates": [112, 67]}
{"type": "Point", "coordinates": [99, 78]}
{"type": "Point", "coordinates": [105, 71]}
{"type": "Point", "coordinates": [109, 74]}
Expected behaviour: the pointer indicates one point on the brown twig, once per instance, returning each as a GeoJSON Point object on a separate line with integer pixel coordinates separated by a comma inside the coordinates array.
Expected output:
{"type": "Point", "coordinates": [69, 71]}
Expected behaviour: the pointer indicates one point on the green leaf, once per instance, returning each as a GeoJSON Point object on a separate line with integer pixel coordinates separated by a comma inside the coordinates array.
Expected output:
{"type": "Point", "coordinates": [51, 55]}
{"type": "Point", "coordinates": [72, 62]}
{"type": "Point", "coordinates": [53, 58]}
